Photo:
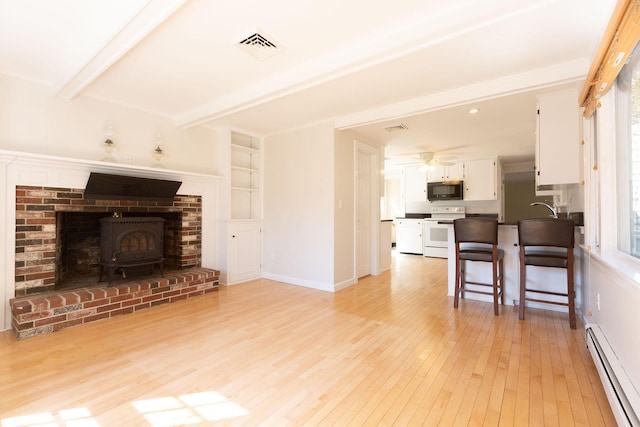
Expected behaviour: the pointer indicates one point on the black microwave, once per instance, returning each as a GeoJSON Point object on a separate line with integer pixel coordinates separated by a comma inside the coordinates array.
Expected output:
{"type": "Point", "coordinates": [444, 191]}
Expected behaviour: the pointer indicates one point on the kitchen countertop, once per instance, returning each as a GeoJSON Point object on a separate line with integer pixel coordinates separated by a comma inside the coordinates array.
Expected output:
{"type": "Point", "coordinates": [578, 217]}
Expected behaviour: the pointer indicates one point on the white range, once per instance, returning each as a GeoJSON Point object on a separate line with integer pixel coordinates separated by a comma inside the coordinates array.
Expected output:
{"type": "Point", "coordinates": [435, 235]}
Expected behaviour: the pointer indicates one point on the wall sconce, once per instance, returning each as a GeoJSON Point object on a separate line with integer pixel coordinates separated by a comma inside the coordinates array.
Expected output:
{"type": "Point", "coordinates": [158, 154]}
{"type": "Point", "coordinates": [108, 145]}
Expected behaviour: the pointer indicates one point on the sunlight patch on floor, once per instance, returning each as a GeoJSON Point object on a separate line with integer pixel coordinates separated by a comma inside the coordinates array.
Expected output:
{"type": "Point", "coordinates": [185, 409]}
{"type": "Point", "coordinates": [188, 409]}
{"type": "Point", "coordinates": [76, 417]}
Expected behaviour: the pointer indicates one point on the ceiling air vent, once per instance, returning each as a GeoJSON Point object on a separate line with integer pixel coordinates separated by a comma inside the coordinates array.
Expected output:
{"type": "Point", "coordinates": [396, 128]}
{"type": "Point", "coordinates": [258, 46]}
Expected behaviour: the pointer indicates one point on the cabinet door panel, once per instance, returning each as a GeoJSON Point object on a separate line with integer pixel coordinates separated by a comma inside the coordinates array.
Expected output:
{"type": "Point", "coordinates": [480, 180]}
{"type": "Point", "coordinates": [244, 252]}
{"type": "Point", "coordinates": [409, 236]}
{"type": "Point", "coordinates": [558, 139]}
{"type": "Point", "coordinates": [415, 184]}
{"type": "Point", "coordinates": [455, 172]}
{"type": "Point", "coordinates": [436, 173]}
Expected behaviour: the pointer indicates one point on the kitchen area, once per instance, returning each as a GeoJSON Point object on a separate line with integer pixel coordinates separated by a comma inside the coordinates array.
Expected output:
{"type": "Point", "coordinates": [425, 197]}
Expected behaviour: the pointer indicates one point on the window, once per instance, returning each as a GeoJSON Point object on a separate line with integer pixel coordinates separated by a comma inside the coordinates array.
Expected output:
{"type": "Point", "coordinates": [628, 155]}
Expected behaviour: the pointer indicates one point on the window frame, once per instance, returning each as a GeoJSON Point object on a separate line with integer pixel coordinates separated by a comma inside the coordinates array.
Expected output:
{"type": "Point", "coordinates": [606, 136]}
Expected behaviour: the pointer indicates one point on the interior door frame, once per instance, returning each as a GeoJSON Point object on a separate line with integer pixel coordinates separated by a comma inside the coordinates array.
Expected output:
{"type": "Point", "coordinates": [375, 177]}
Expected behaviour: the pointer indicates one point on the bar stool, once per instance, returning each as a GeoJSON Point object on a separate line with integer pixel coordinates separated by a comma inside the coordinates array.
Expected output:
{"type": "Point", "coordinates": [477, 240]}
{"type": "Point", "coordinates": [547, 242]}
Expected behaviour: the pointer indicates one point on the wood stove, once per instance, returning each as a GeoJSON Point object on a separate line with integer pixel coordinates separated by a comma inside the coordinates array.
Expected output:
{"type": "Point", "coordinates": [130, 242]}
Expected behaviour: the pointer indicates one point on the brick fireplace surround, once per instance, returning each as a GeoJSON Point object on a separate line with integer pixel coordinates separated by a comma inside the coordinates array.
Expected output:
{"type": "Point", "coordinates": [39, 307]}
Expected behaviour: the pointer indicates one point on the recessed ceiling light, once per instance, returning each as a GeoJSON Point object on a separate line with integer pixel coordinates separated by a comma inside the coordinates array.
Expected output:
{"type": "Point", "coordinates": [473, 111]}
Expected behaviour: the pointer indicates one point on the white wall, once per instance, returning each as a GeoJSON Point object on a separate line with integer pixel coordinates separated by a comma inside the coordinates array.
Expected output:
{"type": "Point", "coordinates": [33, 121]}
{"type": "Point", "coordinates": [298, 232]}
{"type": "Point", "coordinates": [344, 215]}
{"type": "Point", "coordinates": [611, 299]}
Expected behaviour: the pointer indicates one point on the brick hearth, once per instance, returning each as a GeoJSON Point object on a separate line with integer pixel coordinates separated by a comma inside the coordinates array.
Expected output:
{"type": "Point", "coordinates": [52, 311]}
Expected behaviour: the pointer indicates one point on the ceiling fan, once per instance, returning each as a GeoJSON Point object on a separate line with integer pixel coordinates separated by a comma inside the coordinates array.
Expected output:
{"type": "Point", "coordinates": [424, 159]}
{"type": "Point", "coordinates": [428, 159]}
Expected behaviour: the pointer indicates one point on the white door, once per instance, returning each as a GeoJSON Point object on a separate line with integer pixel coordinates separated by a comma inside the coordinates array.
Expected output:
{"type": "Point", "coordinates": [363, 214]}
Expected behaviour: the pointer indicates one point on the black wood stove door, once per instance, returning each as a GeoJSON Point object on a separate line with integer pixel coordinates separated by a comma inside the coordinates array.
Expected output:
{"type": "Point", "coordinates": [129, 242]}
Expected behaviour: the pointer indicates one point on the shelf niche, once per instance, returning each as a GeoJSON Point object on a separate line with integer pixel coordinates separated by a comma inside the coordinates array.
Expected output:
{"type": "Point", "coordinates": [245, 176]}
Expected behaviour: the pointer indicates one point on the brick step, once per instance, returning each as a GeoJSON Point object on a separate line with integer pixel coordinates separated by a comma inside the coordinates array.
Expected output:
{"type": "Point", "coordinates": [51, 311]}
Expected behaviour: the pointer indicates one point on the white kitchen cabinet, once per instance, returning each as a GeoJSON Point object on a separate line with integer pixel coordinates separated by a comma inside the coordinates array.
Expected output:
{"type": "Point", "coordinates": [244, 251]}
{"type": "Point", "coordinates": [558, 139]}
{"type": "Point", "coordinates": [409, 235]}
{"type": "Point", "coordinates": [415, 184]}
{"type": "Point", "coordinates": [480, 179]}
{"type": "Point", "coordinates": [439, 173]}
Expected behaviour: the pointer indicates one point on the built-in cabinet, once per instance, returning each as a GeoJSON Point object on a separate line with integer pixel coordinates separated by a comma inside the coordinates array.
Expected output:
{"type": "Point", "coordinates": [415, 183]}
{"type": "Point", "coordinates": [409, 235]}
{"type": "Point", "coordinates": [480, 179]}
{"type": "Point", "coordinates": [240, 255]}
{"type": "Point", "coordinates": [440, 173]}
{"type": "Point", "coordinates": [244, 261]}
{"type": "Point", "coordinates": [558, 139]}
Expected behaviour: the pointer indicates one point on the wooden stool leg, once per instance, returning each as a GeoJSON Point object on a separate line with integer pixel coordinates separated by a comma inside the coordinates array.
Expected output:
{"type": "Point", "coordinates": [496, 311]}
{"type": "Point", "coordinates": [571, 291]}
{"type": "Point", "coordinates": [463, 277]}
{"type": "Point", "coordinates": [456, 288]}
{"type": "Point", "coordinates": [501, 263]}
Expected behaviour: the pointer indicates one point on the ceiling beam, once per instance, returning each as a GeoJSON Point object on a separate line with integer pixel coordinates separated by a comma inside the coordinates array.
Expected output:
{"type": "Point", "coordinates": [141, 24]}
{"type": "Point", "coordinates": [564, 73]}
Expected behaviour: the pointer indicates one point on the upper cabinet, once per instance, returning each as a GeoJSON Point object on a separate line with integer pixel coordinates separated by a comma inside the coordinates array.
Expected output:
{"type": "Point", "coordinates": [415, 184]}
{"type": "Point", "coordinates": [439, 173]}
{"type": "Point", "coordinates": [558, 139]}
{"type": "Point", "coordinates": [480, 179]}
{"type": "Point", "coordinates": [246, 178]}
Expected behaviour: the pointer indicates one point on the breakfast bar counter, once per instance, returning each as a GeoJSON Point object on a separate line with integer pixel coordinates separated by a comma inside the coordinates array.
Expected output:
{"type": "Point", "coordinates": [551, 279]}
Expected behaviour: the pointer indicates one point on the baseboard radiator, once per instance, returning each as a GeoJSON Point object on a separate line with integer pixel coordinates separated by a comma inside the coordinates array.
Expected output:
{"type": "Point", "coordinates": [623, 396]}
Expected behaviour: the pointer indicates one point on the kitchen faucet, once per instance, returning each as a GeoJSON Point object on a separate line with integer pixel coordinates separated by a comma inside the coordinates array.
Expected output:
{"type": "Point", "coordinates": [554, 212]}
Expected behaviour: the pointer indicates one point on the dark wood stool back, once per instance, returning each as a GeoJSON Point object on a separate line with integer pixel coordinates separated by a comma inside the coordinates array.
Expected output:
{"type": "Point", "coordinates": [476, 239]}
{"type": "Point", "coordinates": [547, 242]}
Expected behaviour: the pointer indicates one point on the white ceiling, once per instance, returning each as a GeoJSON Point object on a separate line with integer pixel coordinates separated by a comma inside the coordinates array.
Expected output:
{"type": "Point", "coordinates": [364, 64]}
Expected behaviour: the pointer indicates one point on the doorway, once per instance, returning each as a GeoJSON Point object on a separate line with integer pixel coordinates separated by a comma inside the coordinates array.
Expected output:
{"type": "Point", "coordinates": [367, 210]}
{"type": "Point", "coordinates": [519, 193]}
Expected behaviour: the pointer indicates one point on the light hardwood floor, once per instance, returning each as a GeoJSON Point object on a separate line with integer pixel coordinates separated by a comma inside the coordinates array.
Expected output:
{"type": "Point", "coordinates": [390, 350]}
